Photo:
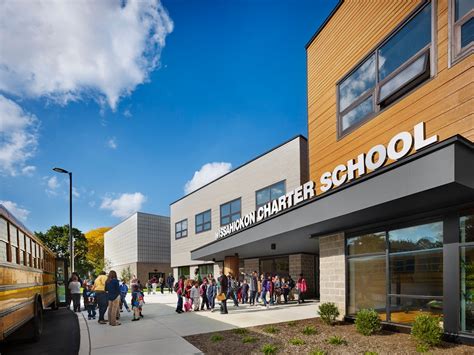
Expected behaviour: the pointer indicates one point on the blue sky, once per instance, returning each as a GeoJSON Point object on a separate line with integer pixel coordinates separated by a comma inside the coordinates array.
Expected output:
{"type": "Point", "coordinates": [231, 84]}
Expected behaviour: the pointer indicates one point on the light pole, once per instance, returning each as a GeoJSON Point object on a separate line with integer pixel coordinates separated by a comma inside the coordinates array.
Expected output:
{"type": "Point", "coordinates": [71, 240]}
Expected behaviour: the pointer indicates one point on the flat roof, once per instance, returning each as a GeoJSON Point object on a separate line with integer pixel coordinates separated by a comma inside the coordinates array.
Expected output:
{"type": "Point", "coordinates": [299, 136]}
{"type": "Point", "coordinates": [338, 5]}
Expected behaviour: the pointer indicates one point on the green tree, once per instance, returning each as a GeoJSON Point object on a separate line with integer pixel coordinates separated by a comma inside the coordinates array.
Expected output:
{"type": "Point", "coordinates": [56, 238]}
{"type": "Point", "coordinates": [126, 274]}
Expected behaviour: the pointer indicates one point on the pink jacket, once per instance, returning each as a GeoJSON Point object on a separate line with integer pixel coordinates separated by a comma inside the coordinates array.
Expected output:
{"type": "Point", "coordinates": [301, 285]}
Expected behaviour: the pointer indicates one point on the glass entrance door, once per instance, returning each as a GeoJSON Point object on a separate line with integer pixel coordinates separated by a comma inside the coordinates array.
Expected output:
{"type": "Point", "coordinates": [61, 280]}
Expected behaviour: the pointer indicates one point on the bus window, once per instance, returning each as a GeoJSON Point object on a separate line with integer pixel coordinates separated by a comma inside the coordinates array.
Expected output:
{"type": "Point", "coordinates": [28, 251]}
{"type": "Point", "coordinates": [21, 246]}
{"type": "Point", "coordinates": [3, 240]}
{"type": "Point", "coordinates": [14, 243]}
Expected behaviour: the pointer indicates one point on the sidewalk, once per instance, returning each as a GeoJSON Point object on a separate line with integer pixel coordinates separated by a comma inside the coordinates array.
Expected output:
{"type": "Point", "coordinates": [162, 329]}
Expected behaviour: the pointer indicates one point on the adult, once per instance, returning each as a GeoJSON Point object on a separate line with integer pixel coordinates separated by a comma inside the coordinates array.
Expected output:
{"type": "Point", "coordinates": [68, 292]}
{"type": "Point", "coordinates": [112, 287]}
{"type": "Point", "coordinates": [224, 284]}
{"type": "Point", "coordinates": [170, 283]}
{"type": "Point", "coordinates": [253, 287]}
{"type": "Point", "coordinates": [123, 295]}
{"type": "Point", "coordinates": [302, 288]}
{"type": "Point", "coordinates": [180, 292]}
{"type": "Point", "coordinates": [232, 287]}
{"type": "Point", "coordinates": [161, 281]}
{"type": "Point", "coordinates": [99, 289]}
{"type": "Point", "coordinates": [75, 290]}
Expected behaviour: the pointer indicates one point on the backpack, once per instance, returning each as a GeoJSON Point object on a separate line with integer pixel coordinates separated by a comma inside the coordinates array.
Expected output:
{"type": "Point", "coordinates": [176, 287]}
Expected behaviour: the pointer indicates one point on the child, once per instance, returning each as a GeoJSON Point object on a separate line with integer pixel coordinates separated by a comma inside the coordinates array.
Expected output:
{"type": "Point", "coordinates": [137, 299]}
{"type": "Point", "coordinates": [211, 294]}
{"type": "Point", "coordinates": [244, 291]}
{"type": "Point", "coordinates": [89, 301]}
{"type": "Point", "coordinates": [195, 296]}
{"type": "Point", "coordinates": [203, 293]}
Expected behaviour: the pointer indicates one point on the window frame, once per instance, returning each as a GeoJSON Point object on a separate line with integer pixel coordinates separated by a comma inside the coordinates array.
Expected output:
{"type": "Point", "coordinates": [257, 206]}
{"type": "Point", "coordinates": [457, 53]}
{"type": "Point", "coordinates": [181, 231]}
{"type": "Point", "coordinates": [230, 211]}
{"type": "Point", "coordinates": [405, 89]}
{"type": "Point", "coordinates": [203, 222]}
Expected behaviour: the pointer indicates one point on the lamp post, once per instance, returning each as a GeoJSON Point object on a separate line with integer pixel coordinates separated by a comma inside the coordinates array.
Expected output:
{"type": "Point", "coordinates": [71, 240]}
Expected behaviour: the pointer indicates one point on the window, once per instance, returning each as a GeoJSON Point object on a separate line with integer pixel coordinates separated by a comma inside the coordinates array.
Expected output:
{"type": "Point", "coordinates": [396, 66]}
{"type": "Point", "coordinates": [413, 264]}
{"type": "Point", "coordinates": [14, 243]}
{"type": "Point", "coordinates": [181, 229]}
{"type": "Point", "coordinates": [28, 251]}
{"type": "Point", "coordinates": [270, 193]}
{"type": "Point", "coordinates": [3, 240]}
{"type": "Point", "coordinates": [183, 271]}
{"type": "Point", "coordinates": [21, 236]}
{"type": "Point", "coordinates": [462, 29]}
{"type": "Point", "coordinates": [466, 226]}
{"type": "Point", "coordinates": [203, 221]}
{"type": "Point", "coordinates": [230, 212]}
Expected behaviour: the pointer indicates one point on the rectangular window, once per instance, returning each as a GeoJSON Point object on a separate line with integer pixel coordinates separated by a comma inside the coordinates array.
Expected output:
{"type": "Point", "coordinates": [411, 268]}
{"type": "Point", "coordinates": [462, 29]}
{"type": "Point", "coordinates": [203, 221]}
{"type": "Point", "coordinates": [466, 224]}
{"type": "Point", "coordinates": [270, 193]}
{"type": "Point", "coordinates": [3, 239]}
{"type": "Point", "coordinates": [14, 243]}
{"type": "Point", "coordinates": [183, 271]}
{"type": "Point", "coordinates": [230, 211]}
{"type": "Point", "coordinates": [181, 229]}
{"type": "Point", "coordinates": [396, 66]}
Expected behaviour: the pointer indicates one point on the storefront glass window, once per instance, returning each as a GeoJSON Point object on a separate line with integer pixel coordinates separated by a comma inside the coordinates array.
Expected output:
{"type": "Point", "coordinates": [466, 224]}
{"type": "Point", "coordinates": [367, 284]}
{"type": "Point", "coordinates": [367, 244]}
{"type": "Point", "coordinates": [276, 266]}
{"type": "Point", "coordinates": [425, 236]}
{"type": "Point", "coordinates": [183, 271]}
{"type": "Point", "coordinates": [404, 309]}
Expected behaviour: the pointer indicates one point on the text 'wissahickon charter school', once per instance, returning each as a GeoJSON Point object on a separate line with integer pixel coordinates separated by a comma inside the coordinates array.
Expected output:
{"type": "Point", "coordinates": [399, 146]}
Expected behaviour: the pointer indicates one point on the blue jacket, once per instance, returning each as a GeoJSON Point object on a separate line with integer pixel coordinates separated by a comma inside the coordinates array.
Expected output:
{"type": "Point", "coordinates": [123, 289]}
{"type": "Point", "coordinates": [211, 291]}
{"type": "Point", "coordinates": [113, 289]}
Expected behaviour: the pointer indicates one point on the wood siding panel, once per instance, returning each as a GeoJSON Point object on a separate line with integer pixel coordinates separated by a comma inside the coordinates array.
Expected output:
{"type": "Point", "coordinates": [445, 102]}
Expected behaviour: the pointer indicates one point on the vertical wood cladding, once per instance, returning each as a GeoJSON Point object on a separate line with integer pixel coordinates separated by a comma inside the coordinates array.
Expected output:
{"type": "Point", "coordinates": [444, 103]}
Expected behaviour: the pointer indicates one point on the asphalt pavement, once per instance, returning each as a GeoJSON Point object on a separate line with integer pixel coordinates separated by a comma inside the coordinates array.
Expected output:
{"type": "Point", "coordinates": [60, 336]}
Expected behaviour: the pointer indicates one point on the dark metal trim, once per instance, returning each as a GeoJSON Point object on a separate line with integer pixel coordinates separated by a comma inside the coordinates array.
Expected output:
{"type": "Point", "coordinates": [187, 229]}
{"type": "Point", "coordinates": [231, 213]}
{"type": "Point", "coordinates": [196, 224]}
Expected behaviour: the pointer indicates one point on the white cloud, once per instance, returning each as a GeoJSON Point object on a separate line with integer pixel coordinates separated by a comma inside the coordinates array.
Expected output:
{"type": "Point", "coordinates": [28, 170]}
{"type": "Point", "coordinates": [71, 50]}
{"type": "Point", "coordinates": [124, 205]}
{"type": "Point", "coordinates": [53, 183]}
{"type": "Point", "coordinates": [18, 137]}
{"type": "Point", "coordinates": [112, 143]}
{"type": "Point", "coordinates": [75, 193]}
{"type": "Point", "coordinates": [16, 210]}
{"type": "Point", "coordinates": [207, 173]}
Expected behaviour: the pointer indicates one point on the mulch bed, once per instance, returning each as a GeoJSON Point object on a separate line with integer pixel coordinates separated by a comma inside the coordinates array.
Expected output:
{"type": "Point", "coordinates": [383, 343]}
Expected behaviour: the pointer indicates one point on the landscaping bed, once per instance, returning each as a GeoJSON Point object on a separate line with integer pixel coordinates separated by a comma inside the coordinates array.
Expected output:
{"type": "Point", "coordinates": [312, 335]}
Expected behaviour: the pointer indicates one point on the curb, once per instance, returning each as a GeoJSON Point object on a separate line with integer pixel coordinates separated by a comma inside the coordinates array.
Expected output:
{"type": "Point", "coordinates": [85, 340]}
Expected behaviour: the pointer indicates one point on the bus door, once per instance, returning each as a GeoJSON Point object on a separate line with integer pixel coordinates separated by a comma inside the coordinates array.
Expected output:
{"type": "Point", "coordinates": [61, 281]}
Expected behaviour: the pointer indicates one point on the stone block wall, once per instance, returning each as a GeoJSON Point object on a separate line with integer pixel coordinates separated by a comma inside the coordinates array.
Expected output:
{"type": "Point", "coordinates": [332, 271]}
{"type": "Point", "coordinates": [304, 264]}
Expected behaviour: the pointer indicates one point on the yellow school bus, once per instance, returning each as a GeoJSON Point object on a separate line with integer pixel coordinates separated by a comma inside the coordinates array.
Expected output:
{"type": "Point", "coordinates": [27, 278]}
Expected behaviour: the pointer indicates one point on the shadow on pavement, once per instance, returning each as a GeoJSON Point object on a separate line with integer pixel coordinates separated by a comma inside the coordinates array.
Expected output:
{"type": "Point", "coordinates": [60, 336]}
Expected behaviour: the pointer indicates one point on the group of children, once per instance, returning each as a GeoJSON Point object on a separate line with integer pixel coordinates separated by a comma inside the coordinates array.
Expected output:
{"type": "Point", "coordinates": [194, 292]}
{"type": "Point", "coordinates": [137, 302]}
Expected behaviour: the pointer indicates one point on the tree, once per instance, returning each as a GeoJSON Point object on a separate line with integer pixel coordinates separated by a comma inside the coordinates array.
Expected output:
{"type": "Point", "coordinates": [126, 274]}
{"type": "Point", "coordinates": [56, 238]}
{"type": "Point", "coordinates": [95, 244]}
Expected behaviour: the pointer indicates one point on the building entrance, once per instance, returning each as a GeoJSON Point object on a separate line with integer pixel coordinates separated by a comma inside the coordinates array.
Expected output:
{"type": "Point", "coordinates": [276, 266]}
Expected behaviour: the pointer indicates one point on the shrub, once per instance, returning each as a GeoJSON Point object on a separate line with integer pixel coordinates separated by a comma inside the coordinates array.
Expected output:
{"type": "Point", "coordinates": [367, 322]}
{"type": "Point", "coordinates": [271, 329]}
{"type": "Point", "coordinates": [337, 340]}
{"type": "Point", "coordinates": [318, 352]}
{"type": "Point", "coordinates": [241, 331]}
{"type": "Point", "coordinates": [309, 330]}
{"type": "Point", "coordinates": [426, 330]}
{"type": "Point", "coordinates": [249, 339]}
{"type": "Point", "coordinates": [292, 323]}
{"type": "Point", "coordinates": [328, 312]}
{"type": "Point", "coordinates": [297, 341]}
{"type": "Point", "coordinates": [268, 349]}
{"type": "Point", "coordinates": [422, 348]}
{"type": "Point", "coordinates": [216, 337]}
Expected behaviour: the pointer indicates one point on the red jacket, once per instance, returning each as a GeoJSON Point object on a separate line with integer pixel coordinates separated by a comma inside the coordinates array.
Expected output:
{"type": "Point", "coordinates": [301, 285]}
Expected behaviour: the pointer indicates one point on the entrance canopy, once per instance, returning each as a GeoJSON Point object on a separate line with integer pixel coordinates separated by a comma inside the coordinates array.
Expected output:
{"type": "Point", "coordinates": [439, 176]}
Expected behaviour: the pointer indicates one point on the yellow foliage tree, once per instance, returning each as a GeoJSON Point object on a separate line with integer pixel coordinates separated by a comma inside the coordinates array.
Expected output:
{"type": "Point", "coordinates": [95, 246]}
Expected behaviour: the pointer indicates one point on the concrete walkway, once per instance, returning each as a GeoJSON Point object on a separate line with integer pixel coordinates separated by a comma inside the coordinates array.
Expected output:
{"type": "Point", "coordinates": [162, 329]}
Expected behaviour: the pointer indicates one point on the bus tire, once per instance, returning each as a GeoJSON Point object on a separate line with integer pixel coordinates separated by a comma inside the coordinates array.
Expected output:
{"type": "Point", "coordinates": [36, 322]}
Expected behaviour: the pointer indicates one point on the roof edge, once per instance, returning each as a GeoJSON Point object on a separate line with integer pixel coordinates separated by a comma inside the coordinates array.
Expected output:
{"type": "Point", "coordinates": [300, 136]}
{"type": "Point", "coordinates": [331, 14]}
